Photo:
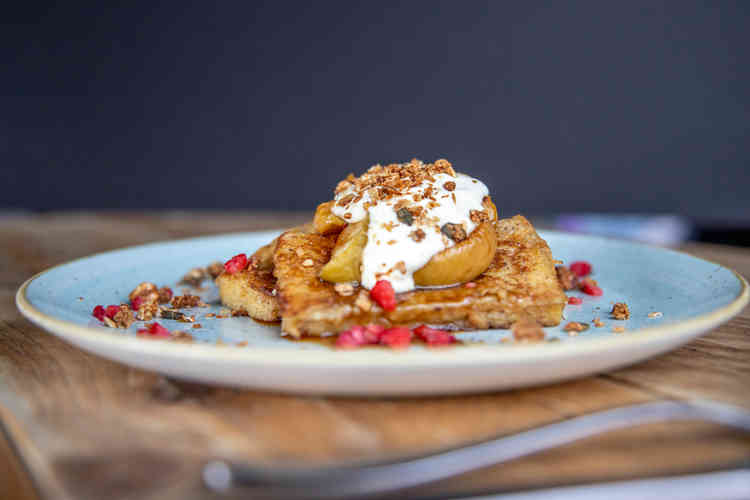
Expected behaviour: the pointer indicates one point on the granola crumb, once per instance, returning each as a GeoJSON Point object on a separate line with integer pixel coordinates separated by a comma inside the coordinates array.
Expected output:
{"type": "Point", "coordinates": [210, 315]}
{"type": "Point", "coordinates": [167, 313]}
{"type": "Point", "coordinates": [307, 263]}
{"type": "Point", "coordinates": [400, 266]}
{"type": "Point", "coordinates": [456, 232]}
{"type": "Point", "coordinates": [194, 277]}
{"type": "Point", "coordinates": [449, 186]}
{"type": "Point", "coordinates": [618, 329]}
{"type": "Point", "coordinates": [526, 330]}
{"type": "Point", "coordinates": [417, 235]}
{"type": "Point", "coordinates": [575, 326]}
{"type": "Point", "coordinates": [124, 317]}
{"type": "Point", "coordinates": [214, 269]}
{"type": "Point", "coordinates": [143, 288]}
{"type": "Point", "coordinates": [655, 314]}
{"type": "Point", "coordinates": [566, 277]}
{"type": "Point", "coordinates": [363, 301]}
{"type": "Point", "coordinates": [587, 282]}
{"type": "Point", "coordinates": [147, 311]}
{"type": "Point", "coordinates": [241, 344]}
{"type": "Point", "coordinates": [187, 300]}
{"type": "Point", "coordinates": [344, 289]}
{"type": "Point", "coordinates": [108, 321]}
{"type": "Point", "coordinates": [145, 292]}
{"type": "Point", "coordinates": [165, 294]}
{"type": "Point", "coordinates": [598, 322]}
{"type": "Point", "coordinates": [182, 336]}
{"type": "Point", "coordinates": [620, 311]}
{"type": "Point", "coordinates": [197, 325]}
{"type": "Point", "coordinates": [478, 216]}
{"type": "Point", "coordinates": [239, 312]}
{"type": "Point", "coordinates": [405, 216]}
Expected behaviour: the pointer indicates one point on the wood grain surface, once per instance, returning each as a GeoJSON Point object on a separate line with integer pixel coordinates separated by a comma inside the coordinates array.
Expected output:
{"type": "Point", "coordinates": [88, 428]}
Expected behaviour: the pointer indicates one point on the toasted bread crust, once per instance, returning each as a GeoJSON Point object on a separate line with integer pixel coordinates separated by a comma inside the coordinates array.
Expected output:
{"type": "Point", "coordinates": [251, 291]}
{"type": "Point", "coordinates": [520, 282]}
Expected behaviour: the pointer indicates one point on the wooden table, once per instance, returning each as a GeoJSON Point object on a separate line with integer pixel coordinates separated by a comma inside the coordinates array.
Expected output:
{"type": "Point", "coordinates": [78, 426]}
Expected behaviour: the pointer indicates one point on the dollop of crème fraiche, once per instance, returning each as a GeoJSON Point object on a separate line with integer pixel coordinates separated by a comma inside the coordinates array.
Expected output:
{"type": "Point", "coordinates": [416, 210]}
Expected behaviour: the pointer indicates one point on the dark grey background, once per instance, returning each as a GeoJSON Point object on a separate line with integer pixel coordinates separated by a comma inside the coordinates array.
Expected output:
{"type": "Point", "coordinates": [558, 106]}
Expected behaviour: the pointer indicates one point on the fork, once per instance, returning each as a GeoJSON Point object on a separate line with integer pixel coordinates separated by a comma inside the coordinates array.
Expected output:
{"type": "Point", "coordinates": [373, 479]}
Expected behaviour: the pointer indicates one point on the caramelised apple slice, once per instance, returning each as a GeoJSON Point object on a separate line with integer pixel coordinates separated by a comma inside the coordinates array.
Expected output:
{"type": "Point", "coordinates": [346, 256]}
{"type": "Point", "coordinates": [325, 221]}
{"type": "Point", "coordinates": [465, 260]}
{"type": "Point", "coordinates": [462, 262]}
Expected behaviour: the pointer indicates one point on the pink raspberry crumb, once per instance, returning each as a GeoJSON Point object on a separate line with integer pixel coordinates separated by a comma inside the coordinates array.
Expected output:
{"type": "Point", "coordinates": [357, 336]}
{"type": "Point", "coordinates": [396, 338]}
{"type": "Point", "coordinates": [154, 330]}
{"type": "Point", "coordinates": [236, 263]}
{"type": "Point", "coordinates": [136, 303]}
{"type": "Point", "coordinates": [581, 268]}
{"type": "Point", "coordinates": [576, 301]}
{"type": "Point", "coordinates": [98, 313]}
{"type": "Point", "coordinates": [373, 332]}
{"type": "Point", "coordinates": [351, 338]}
{"type": "Point", "coordinates": [591, 289]}
{"type": "Point", "coordinates": [433, 336]}
{"type": "Point", "coordinates": [110, 311]}
{"type": "Point", "coordinates": [383, 294]}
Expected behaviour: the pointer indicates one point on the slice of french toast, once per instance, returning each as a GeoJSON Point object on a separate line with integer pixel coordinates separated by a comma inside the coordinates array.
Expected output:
{"type": "Point", "coordinates": [520, 283]}
{"type": "Point", "coordinates": [251, 290]}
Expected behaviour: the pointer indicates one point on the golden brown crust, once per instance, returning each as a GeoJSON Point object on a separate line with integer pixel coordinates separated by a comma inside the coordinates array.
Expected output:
{"type": "Point", "coordinates": [251, 291]}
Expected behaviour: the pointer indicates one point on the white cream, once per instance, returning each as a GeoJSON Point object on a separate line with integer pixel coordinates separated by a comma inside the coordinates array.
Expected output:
{"type": "Point", "coordinates": [380, 259]}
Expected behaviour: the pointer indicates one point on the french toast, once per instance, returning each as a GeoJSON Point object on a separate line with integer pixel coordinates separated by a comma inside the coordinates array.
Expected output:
{"type": "Point", "coordinates": [251, 290]}
{"type": "Point", "coordinates": [519, 283]}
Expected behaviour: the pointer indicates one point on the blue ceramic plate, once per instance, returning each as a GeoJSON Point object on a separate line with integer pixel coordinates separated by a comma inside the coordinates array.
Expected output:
{"type": "Point", "coordinates": [691, 294]}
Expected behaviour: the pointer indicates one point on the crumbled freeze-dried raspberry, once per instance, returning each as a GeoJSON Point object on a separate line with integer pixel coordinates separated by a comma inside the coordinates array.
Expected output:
{"type": "Point", "coordinates": [576, 301]}
{"type": "Point", "coordinates": [236, 263]}
{"type": "Point", "coordinates": [373, 332]}
{"type": "Point", "coordinates": [383, 294]}
{"type": "Point", "coordinates": [359, 335]}
{"type": "Point", "coordinates": [137, 302]}
{"type": "Point", "coordinates": [351, 338]}
{"type": "Point", "coordinates": [591, 289]}
{"type": "Point", "coordinates": [99, 313]}
{"type": "Point", "coordinates": [433, 336]}
{"type": "Point", "coordinates": [581, 268]}
{"type": "Point", "coordinates": [396, 338]}
{"type": "Point", "coordinates": [154, 330]}
{"type": "Point", "coordinates": [110, 311]}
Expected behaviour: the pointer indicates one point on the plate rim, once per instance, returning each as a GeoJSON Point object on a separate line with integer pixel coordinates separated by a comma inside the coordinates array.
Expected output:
{"type": "Point", "coordinates": [331, 358]}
